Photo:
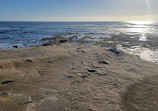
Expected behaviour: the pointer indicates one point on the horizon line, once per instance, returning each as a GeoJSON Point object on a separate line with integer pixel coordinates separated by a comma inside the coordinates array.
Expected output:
{"type": "Point", "coordinates": [70, 21]}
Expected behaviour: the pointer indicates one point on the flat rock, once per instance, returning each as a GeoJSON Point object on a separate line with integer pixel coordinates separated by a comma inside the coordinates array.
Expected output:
{"type": "Point", "coordinates": [91, 70]}
{"type": "Point", "coordinates": [63, 40]}
{"type": "Point", "coordinates": [113, 50]}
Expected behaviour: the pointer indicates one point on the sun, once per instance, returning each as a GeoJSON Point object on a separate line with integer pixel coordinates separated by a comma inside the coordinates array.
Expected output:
{"type": "Point", "coordinates": [141, 22]}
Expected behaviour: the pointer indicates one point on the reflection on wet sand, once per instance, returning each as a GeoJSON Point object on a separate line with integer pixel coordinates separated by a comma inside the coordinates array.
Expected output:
{"type": "Point", "coordinates": [144, 53]}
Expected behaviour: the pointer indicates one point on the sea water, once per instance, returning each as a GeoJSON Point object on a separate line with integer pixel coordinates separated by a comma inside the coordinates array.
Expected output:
{"type": "Point", "coordinates": [26, 34]}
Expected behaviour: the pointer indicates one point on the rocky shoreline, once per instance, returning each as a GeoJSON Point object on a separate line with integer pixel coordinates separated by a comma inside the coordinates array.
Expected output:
{"type": "Point", "coordinates": [65, 75]}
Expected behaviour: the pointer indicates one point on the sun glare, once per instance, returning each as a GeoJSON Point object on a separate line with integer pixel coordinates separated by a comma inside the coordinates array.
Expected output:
{"type": "Point", "coordinates": [141, 22]}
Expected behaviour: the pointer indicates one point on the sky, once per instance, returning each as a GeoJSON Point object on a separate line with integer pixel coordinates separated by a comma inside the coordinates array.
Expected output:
{"type": "Point", "coordinates": [78, 10]}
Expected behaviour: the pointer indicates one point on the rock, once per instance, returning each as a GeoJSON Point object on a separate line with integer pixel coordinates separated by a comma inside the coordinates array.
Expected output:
{"type": "Point", "coordinates": [97, 67]}
{"type": "Point", "coordinates": [29, 60]}
{"type": "Point", "coordinates": [63, 40]}
{"type": "Point", "coordinates": [70, 77]}
{"type": "Point", "coordinates": [111, 42]}
{"type": "Point", "coordinates": [7, 82]}
{"type": "Point", "coordinates": [103, 62]}
{"type": "Point", "coordinates": [47, 44]}
{"type": "Point", "coordinates": [83, 51]}
{"type": "Point", "coordinates": [79, 74]}
{"type": "Point", "coordinates": [50, 62]}
{"type": "Point", "coordinates": [28, 102]}
{"type": "Point", "coordinates": [15, 46]}
{"type": "Point", "coordinates": [91, 70]}
{"type": "Point", "coordinates": [84, 76]}
{"type": "Point", "coordinates": [113, 50]}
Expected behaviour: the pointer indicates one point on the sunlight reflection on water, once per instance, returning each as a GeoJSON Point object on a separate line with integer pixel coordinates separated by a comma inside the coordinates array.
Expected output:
{"type": "Point", "coordinates": [141, 27]}
{"type": "Point", "coordinates": [142, 52]}
{"type": "Point", "coordinates": [141, 22]}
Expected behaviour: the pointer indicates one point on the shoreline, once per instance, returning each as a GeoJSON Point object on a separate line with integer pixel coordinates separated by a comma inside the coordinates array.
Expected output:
{"type": "Point", "coordinates": [68, 77]}
{"type": "Point", "coordinates": [146, 48]}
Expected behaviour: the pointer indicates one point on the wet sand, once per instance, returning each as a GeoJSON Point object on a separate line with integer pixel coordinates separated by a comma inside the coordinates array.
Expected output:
{"type": "Point", "coordinates": [68, 77]}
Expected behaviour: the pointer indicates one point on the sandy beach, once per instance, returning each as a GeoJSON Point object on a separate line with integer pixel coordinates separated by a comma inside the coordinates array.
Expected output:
{"type": "Point", "coordinates": [78, 55]}
{"type": "Point", "coordinates": [74, 77]}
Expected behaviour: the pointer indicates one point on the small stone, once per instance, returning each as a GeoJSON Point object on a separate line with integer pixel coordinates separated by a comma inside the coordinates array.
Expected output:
{"type": "Point", "coordinates": [91, 70]}
{"type": "Point", "coordinates": [63, 40]}
{"type": "Point", "coordinates": [103, 62]}
{"type": "Point", "coordinates": [79, 74]}
{"type": "Point", "coordinates": [15, 46]}
{"type": "Point", "coordinates": [28, 60]}
{"type": "Point", "coordinates": [113, 50]}
{"type": "Point", "coordinates": [70, 77]}
{"type": "Point", "coordinates": [84, 76]}
{"type": "Point", "coordinates": [83, 51]}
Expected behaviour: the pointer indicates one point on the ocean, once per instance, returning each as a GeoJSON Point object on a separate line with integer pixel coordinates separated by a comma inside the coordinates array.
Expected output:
{"type": "Point", "coordinates": [27, 34]}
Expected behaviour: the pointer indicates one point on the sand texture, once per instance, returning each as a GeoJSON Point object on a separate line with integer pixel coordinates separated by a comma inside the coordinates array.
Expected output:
{"type": "Point", "coordinates": [68, 77]}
